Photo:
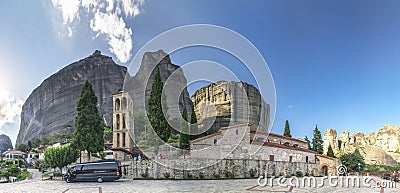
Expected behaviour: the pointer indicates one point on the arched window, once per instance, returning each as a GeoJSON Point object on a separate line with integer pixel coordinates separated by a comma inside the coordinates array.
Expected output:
{"type": "Point", "coordinates": [124, 103]}
{"type": "Point", "coordinates": [123, 121]}
{"type": "Point", "coordinates": [123, 139]}
{"type": "Point", "coordinates": [215, 141]}
{"type": "Point", "coordinates": [117, 122]}
{"type": "Point", "coordinates": [296, 146]}
{"type": "Point", "coordinates": [118, 139]}
{"type": "Point", "coordinates": [287, 144]}
{"type": "Point", "coordinates": [117, 104]}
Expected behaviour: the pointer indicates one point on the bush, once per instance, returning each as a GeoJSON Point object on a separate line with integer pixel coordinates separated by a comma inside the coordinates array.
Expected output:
{"type": "Point", "coordinates": [216, 175]}
{"type": "Point", "coordinates": [201, 175]}
{"type": "Point", "coordinates": [145, 174]}
{"type": "Point", "coordinates": [299, 174]}
{"type": "Point", "coordinates": [166, 175]}
{"type": "Point", "coordinates": [23, 175]}
{"type": "Point", "coordinates": [252, 172]}
{"type": "Point", "coordinates": [189, 176]}
{"type": "Point", "coordinates": [228, 174]}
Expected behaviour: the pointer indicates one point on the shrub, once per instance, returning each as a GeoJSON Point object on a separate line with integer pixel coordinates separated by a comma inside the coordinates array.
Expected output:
{"type": "Point", "coordinates": [201, 175]}
{"type": "Point", "coordinates": [189, 176]}
{"type": "Point", "coordinates": [23, 175]}
{"type": "Point", "coordinates": [299, 174]}
{"type": "Point", "coordinates": [166, 175]}
{"type": "Point", "coordinates": [252, 173]}
{"type": "Point", "coordinates": [228, 174]}
{"type": "Point", "coordinates": [216, 175]}
{"type": "Point", "coordinates": [145, 174]}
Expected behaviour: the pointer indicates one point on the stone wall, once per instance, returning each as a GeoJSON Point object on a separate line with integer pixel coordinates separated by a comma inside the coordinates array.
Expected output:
{"type": "Point", "coordinates": [227, 168]}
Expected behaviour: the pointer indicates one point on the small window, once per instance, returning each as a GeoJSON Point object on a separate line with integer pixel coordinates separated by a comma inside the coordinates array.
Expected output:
{"type": "Point", "coordinates": [306, 159]}
{"type": "Point", "coordinates": [215, 141]}
{"type": "Point", "coordinates": [287, 144]}
{"type": "Point", "coordinates": [296, 146]}
{"type": "Point", "coordinates": [290, 158]}
{"type": "Point", "coordinates": [237, 132]}
{"type": "Point", "coordinates": [271, 157]}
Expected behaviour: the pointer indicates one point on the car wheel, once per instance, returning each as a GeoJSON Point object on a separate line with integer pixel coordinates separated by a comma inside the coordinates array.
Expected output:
{"type": "Point", "coordinates": [68, 179]}
{"type": "Point", "coordinates": [99, 180]}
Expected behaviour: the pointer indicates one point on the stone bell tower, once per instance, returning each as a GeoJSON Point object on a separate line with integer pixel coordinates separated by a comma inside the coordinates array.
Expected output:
{"type": "Point", "coordinates": [122, 125]}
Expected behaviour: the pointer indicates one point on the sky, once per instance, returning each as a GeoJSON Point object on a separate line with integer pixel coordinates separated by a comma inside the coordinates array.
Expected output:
{"type": "Point", "coordinates": [335, 64]}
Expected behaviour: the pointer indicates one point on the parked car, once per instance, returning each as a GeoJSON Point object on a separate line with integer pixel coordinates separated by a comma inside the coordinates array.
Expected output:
{"type": "Point", "coordinates": [106, 170]}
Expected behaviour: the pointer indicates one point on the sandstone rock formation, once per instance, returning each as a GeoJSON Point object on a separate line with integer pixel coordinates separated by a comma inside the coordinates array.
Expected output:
{"type": "Point", "coordinates": [5, 143]}
{"type": "Point", "coordinates": [176, 93]}
{"type": "Point", "coordinates": [50, 108]}
{"type": "Point", "coordinates": [223, 103]}
{"type": "Point", "coordinates": [330, 139]}
{"type": "Point", "coordinates": [381, 147]}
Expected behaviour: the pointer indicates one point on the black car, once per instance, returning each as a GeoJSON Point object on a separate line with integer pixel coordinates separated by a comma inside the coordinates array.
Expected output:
{"type": "Point", "coordinates": [107, 170]}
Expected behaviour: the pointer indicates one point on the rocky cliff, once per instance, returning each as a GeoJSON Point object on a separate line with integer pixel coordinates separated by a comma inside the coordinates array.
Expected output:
{"type": "Point", "coordinates": [174, 81]}
{"type": "Point", "coordinates": [51, 107]}
{"type": "Point", "coordinates": [223, 103]}
{"type": "Point", "coordinates": [5, 143]}
{"type": "Point", "coordinates": [381, 147]}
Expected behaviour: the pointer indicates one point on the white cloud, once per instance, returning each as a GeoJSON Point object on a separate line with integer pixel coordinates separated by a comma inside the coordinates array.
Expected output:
{"type": "Point", "coordinates": [116, 32]}
{"type": "Point", "coordinates": [68, 8]}
{"type": "Point", "coordinates": [10, 110]}
{"type": "Point", "coordinates": [106, 18]}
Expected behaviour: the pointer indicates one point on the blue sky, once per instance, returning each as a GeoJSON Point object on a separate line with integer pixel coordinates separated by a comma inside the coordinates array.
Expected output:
{"type": "Point", "coordinates": [334, 63]}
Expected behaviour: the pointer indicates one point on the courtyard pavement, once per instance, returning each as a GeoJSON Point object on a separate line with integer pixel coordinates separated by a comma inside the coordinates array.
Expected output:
{"type": "Point", "coordinates": [128, 185]}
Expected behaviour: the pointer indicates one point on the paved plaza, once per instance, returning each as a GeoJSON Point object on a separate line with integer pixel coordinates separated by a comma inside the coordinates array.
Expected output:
{"type": "Point", "coordinates": [126, 185]}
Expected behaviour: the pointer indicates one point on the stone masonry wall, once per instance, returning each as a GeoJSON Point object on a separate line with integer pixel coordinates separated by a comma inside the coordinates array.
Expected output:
{"type": "Point", "coordinates": [227, 168]}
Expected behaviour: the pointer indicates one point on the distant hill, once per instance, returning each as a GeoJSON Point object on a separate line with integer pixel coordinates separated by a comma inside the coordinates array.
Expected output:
{"type": "Point", "coordinates": [5, 143]}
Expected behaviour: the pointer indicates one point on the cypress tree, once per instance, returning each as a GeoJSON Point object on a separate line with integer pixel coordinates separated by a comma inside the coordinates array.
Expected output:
{"type": "Point", "coordinates": [193, 127]}
{"type": "Point", "coordinates": [184, 138]}
{"type": "Point", "coordinates": [287, 130]}
{"type": "Point", "coordinates": [317, 141]}
{"type": "Point", "coordinates": [155, 109]}
{"type": "Point", "coordinates": [89, 126]}
{"type": "Point", "coordinates": [330, 151]}
{"type": "Point", "coordinates": [308, 142]}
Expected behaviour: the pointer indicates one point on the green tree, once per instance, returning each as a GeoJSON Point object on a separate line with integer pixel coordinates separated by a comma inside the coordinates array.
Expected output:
{"type": "Point", "coordinates": [287, 130]}
{"type": "Point", "coordinates": [89, 126]}
{"type": "Point", "coordinates": [184, 127]}
{"type": "Point", "coordinates": [352, 161]}
{"type": "Point", "coordinates": [108, 134]}
{"type": "Point", "coordinates": [193, 125]}
{"type": "Point", "coordinates": [155, 109]}
{"type": "Point", "coordinates": [30, 145]}
{"type": "Point", "coordinates": [330, 151]}
{"type": "Point", "coordinates": [58, 157]}
{"type": "Point", "coordinates": [22, 147]}
{"type": "Point", "coordinates": [317, 141]}
{"type": "Point", "coordinates": [140, 122]}
{"type": "Point", "coordinates": [308, 142]}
